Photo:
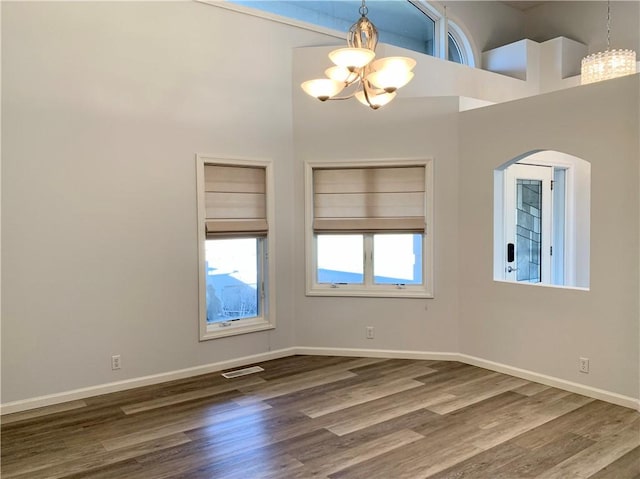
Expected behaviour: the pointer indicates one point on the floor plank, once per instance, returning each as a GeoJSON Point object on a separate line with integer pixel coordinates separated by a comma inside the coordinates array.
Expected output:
{"type": "Point", "coordinates": [320, 417]}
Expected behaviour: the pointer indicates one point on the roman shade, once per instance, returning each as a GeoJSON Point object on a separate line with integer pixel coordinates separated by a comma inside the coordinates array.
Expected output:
{"type": "Point", "coordinates": [235, 200]}
{"type": "Point", "coordinates": [369, 199]}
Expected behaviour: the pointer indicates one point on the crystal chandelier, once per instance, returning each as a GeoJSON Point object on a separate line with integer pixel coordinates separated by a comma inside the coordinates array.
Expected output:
{"type": "Point", "coordinates": [372, 83]}
{"type": "Point", "coordinates": [610, 63]}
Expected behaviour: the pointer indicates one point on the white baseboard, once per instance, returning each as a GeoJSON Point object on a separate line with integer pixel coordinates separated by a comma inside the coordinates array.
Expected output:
{"type": "Point", "coordinates": [378, 353]}
{"type": "Point", "coordinates": [577, 388]}
{"type": "Point", "coordinates": [570, 386]}
{"type": "Point", "coordinates": [52, 399]}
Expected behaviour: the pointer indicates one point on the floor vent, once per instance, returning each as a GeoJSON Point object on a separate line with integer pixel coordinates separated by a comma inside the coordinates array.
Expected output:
{"type": "Point", "coordinates": [242, 372]}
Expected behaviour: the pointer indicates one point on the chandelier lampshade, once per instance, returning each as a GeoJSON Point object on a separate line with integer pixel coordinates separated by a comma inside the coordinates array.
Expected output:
{"type": "Point", "coordinates": [609, 63]}
{"type": "Point", "coordinates": [323, 88]}
{"type": "Point", "coordinates": [341, 74]}
{"type": "Point", "coordinates": [372, 83]}
{"type": "Point", "coordinates": [351, 58]}
{"type": "Point", "coordinates": [391, 73]}
{"type": "Point", "coordinates": [374, 101]}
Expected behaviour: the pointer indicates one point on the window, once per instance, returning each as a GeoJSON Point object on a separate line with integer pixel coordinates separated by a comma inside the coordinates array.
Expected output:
{"type": "Point", "coordinates": [541, 220]}
{"type": "Point", "coordinates": [414, 25]}
{"type": "Point", "coordinates": [368, 229]}
{"type": "Point", "coordinates": [459, 48]}
{"type": "Point", "coordinates": [455, 53]}
{"type": "Point", "coordinates": [234, 212]}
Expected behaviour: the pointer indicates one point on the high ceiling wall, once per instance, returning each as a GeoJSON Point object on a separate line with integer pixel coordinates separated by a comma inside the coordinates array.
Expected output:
{"type": "Point", "coordinates": [492, 24]}
{"type": "Point", "coordinates": [586, 22]}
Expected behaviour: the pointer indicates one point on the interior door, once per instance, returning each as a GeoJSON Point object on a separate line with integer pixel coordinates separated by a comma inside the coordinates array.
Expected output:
{"type": "Point", "coordinates": [528, 223]}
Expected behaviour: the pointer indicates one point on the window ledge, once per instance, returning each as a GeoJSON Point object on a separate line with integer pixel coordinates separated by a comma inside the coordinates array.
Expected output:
{"type": "Point", "coordinates": [216, 330]}
{"type": "Point", "coordinates": [368, 293]}
{"type": "Point", "coordinates": [543, 285]}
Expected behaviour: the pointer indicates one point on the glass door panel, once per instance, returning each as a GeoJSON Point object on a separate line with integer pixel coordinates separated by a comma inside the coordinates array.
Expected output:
{"type": "Point", "coordinates": [528, 244]}
{"type": "Point", "coordinates": [528, 223]}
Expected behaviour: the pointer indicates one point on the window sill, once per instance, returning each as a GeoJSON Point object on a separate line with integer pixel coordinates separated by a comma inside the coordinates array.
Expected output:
{"type": "Point", "coordinates": [370, 293]}
{"type": "Point", "coordinates": [216, 330]}
{"type": "Point", "coordinates": [543, 285]}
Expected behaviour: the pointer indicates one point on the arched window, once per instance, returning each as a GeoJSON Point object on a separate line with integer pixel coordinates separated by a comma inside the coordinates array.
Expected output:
{"type": "Point", "coordinates": [412, 24]}
{"type": "Point", "coordinates": [459, 47]}
{"type": "Point", "coordinates": [455, 54]}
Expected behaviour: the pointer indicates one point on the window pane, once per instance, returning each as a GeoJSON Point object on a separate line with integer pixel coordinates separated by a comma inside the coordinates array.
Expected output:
{"type": "Point", "coordinates": [397, 258]}
{"type": "Point", "coordinates": [455, 55]}
{"type": "Point", "coordinates": [232, 278]}
{"type": "Point", "coordinates": [528, 230]}
{"type": "Point", "coordinates": [340, 259]}
{"type": "Point", "coordinates": [399, 22]}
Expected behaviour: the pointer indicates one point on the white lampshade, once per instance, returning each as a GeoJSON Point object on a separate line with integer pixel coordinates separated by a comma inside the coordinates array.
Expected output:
{"type": "Point", "coordinates": [390, 79]}
{"type": "Point", "coordinates": [394, 63]}
{"type": "Point", "coordinates": [341, 74]}
{"type": "Point", "coordinates": [352, 58]}
{"type": "Point", "coordinates": [376, 100]}
{"type": "Point", "coordinates": [608, 64]}
{"type": "Point", "coordinates": [323, 88]}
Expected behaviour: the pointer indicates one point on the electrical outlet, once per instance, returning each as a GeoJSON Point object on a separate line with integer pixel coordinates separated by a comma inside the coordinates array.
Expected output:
{"type": "Point", "coordinates": [370, 332]}
{"type": "Point", "coordinates": [584, 365]}
{"type": "Point", "coordinates": [115, 362]}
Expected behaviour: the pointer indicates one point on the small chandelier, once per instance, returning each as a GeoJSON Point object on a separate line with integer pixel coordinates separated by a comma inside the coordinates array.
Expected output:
{"type": "Point", "coordinates": [372, 83]}
{"type": "Point", "coordinates": [610, 63]}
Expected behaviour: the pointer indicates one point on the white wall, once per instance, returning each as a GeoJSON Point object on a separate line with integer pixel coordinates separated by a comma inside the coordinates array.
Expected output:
{"type": "Point", "coordinates": [407, 128]}
{"type": "Point", "coordinates": [586, 22]}
{"type": "Point", "coordinates": [104, 106]}
{"type": "Point", "coordinates": [546, 329]}
{"type": "Point", "coordinates": [490, 24]}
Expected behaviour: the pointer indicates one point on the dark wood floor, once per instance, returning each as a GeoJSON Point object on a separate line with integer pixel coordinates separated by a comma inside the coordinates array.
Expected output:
{"type": "Point", "coordinates": [329, 417]}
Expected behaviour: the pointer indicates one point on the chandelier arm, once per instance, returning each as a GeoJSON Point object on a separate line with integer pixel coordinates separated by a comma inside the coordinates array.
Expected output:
{"type": "Point", "coordinates": [349, 95]}
{"type": "Point", "coordinates": [341, 97]}
{"type": "Point", "coordinates": [365, 89]}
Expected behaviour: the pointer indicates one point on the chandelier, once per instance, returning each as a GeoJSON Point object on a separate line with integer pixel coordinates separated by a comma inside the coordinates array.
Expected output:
{"type": "Point", "coordinates": [610, 63]}
{"type": "Point", "coordinates": [372, 83]}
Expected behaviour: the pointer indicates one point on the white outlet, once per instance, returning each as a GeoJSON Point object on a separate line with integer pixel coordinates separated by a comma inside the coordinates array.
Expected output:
{"type": "Point", "coordinates": [370, 332]}
{"type": "Point", "coordinates": [584, 365]}
{"type": "Point", "coordinates": [115, 362]}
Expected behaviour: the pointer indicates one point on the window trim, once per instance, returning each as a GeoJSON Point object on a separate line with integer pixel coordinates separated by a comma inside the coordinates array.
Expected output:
{"type": "Point", "coordinates": [432, 11]}
{"type": "Point", "coordinates": [267, 319]}
{"type": "Point", "coordinates": [313, 288]}
{"type": "Point", "coordinates": [445, 26]}
{"type": "Point", "coordinates": [462, 41]}
{"type": "Point", "coordinates": [568, 163]}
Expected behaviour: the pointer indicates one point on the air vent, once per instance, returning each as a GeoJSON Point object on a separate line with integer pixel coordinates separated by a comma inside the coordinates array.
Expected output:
{"type": "Point", "coordinates": [242, 372]}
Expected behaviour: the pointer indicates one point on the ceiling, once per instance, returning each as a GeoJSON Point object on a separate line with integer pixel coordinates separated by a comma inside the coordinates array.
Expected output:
{"type": "Point", "coordinates": [523, 5]}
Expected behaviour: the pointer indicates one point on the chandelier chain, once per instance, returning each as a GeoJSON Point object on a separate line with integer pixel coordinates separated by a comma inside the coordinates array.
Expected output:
{"type": "Point", "coordinates": [363, 9]}
{"type": "Point", "coordinates": [608, 24]}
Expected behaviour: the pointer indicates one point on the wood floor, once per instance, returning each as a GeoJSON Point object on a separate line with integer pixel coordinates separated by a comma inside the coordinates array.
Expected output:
{"type": "Point", "coordinates": [329, 417]}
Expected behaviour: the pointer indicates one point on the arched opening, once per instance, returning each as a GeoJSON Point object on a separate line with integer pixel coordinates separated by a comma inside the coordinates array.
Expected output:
{"type": "Point", "coordinates": [542, 220]}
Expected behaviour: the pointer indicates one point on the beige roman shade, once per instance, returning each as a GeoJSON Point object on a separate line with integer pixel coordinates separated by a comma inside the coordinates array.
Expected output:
{"type": "Point", "coordinates": [235, 200]}
{"type": "Point", "coordinates": [369, 199]}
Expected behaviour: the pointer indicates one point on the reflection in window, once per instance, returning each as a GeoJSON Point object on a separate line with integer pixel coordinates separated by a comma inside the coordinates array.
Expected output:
{"type": "Point", "coordinates": [232, 276]}
{"type": "Point", "coordinates": [455, 54]}
{"type": "Point", "coordinates": [340, 259]}
{"type": "Point", "coordinates": [397, 258]}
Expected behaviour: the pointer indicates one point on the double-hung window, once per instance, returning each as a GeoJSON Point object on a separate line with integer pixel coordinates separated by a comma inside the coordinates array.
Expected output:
{"type": "Point", "coordinates": [369, 228]}
{"type": "Point", "coordinates": [234, 213]}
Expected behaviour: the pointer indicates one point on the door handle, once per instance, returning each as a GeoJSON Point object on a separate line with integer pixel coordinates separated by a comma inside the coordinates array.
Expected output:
{"type": "Point", "coordinates": [511, 269]}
